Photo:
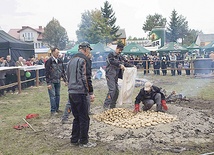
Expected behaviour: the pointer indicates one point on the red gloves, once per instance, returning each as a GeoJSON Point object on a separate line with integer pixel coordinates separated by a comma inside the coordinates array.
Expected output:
{"type": "Point", "coordinates": [137, 108]}
{"type": "Point", "coordinates": [163, 103]}
{"type": "Point", "coordinates": [29, 116]}
{"type": "Point", "coordinates": [19, 127]}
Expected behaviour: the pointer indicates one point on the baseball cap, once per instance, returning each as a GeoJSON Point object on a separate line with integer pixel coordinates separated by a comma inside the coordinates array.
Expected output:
{"type": "Point", "coordinates": [148, 86]}
{"type": "Point", "coordinates": [85, 44]}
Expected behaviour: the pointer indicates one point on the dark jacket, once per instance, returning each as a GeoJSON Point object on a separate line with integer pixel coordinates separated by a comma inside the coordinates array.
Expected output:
{"type": "Point", "coordinates": [113, 65]}
{"type": "Point", "coordinates": [10, 64]}
{"type": "Point", "coordinates": [143, 95]}
{"type": "Point", "coordinates": [54, 71]}
{"type": "Point", "coordinates": [79, 75]}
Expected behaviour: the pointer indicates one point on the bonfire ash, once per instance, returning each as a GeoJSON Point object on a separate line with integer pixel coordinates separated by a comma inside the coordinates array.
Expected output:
{"type": "Point", "coordinates": [173, 97]}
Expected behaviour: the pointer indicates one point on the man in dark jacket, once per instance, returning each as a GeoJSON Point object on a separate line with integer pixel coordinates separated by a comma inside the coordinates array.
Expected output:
{"type": "Point", "coordinates": [79, 86]}
{"type": "Point", "coordinates": [149, 95]}
{"type": "Point", "coordinates": [54, 71]}
{"type": "Point", "coordinates": [11, 76]}
{"type": "Point", "coordinates": [114, 69]}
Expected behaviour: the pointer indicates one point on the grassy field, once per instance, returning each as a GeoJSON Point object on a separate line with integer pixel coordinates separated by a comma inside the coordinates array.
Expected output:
{"type": "Point", "coordinates": [35, 100]}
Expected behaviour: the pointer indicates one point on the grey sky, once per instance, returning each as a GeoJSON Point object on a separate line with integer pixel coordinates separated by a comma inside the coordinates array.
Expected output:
{"type": "Point", "coordinates": [130, 14]}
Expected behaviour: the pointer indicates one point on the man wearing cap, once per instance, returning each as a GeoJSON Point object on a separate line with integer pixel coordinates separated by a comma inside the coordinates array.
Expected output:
{"type": "Point", "coordinates": [79, 86]}
{"type": "Point", "coordinates": [149, 95]}
{"type": "Point", "coordinates": [116, 63]}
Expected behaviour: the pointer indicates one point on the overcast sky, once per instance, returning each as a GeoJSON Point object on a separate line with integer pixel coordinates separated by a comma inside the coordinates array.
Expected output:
{"type": "Point", "coordinates": [130, 14]}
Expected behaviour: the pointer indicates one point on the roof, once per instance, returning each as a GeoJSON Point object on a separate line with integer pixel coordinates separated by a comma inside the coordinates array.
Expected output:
{"type": "Point", "coordinates": [14, 33]}
{"type": "Point", "coordinates": [134, 49]}
{"type": "Point", "coordinates": [7, 41]}
{"type": "Point", "coordinates": [206, 37]}
{"type": "Point", "coordinates": [100, 48]}
{"type": "Point", "coordinates": [172, 46]}
{"type": "Point", "coordinates": [193, 46]}
{"type": "Point", "coordinates": [73, 50]}
{"type": "Point", "coordinates": [122, 34]}
{"type": "Point", "coordinates": [40, 30]}
{"type": "Point", "coordinates": [209, 47]}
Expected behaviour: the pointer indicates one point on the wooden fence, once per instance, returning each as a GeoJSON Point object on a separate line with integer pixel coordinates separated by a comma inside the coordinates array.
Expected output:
{"type": "Point", "coordinates": [39, 67]}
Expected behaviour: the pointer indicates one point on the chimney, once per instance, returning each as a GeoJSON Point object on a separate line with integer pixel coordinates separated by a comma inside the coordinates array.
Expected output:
{"type": "Point", "coordinates": [40, 27]}
{"type": "Point", "coordinates": [24, 27]}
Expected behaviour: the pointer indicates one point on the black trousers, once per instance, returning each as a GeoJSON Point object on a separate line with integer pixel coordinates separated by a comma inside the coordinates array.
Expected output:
{"type": "Point", "coordinates": [79, 108]}
{"type": "Point", "coordinates": [2, 83]}
{"type": "Point", "coordinates": [11, 78]}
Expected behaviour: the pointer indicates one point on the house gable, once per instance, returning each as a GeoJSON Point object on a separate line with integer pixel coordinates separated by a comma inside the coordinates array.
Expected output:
{"type": "Point", "coordinates": [204, 39]}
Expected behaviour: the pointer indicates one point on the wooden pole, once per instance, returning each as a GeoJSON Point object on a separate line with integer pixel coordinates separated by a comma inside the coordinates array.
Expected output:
{"type": "Point", "coordinates": [19, 80]}
{"type": "Point", "coordinates": [29, 125]}
{"type": "Point", "coordinates": [37, 77]}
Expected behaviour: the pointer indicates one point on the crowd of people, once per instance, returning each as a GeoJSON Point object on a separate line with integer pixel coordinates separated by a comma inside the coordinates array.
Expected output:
{"type": "Point", "coordinates": [10, 76]}
{"type": "Point", "coordinates": [167, 62]}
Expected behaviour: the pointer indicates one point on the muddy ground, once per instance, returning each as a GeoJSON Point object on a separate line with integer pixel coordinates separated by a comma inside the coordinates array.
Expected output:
{"type": "Point", "coordinates": [194, 130]}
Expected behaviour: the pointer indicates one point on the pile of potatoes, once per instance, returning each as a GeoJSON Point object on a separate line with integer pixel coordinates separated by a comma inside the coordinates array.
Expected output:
{"type": "Point", "coordinates": [125, 118]}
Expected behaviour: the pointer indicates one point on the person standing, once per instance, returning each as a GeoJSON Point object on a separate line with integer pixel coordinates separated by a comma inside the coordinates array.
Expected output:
{"type": "Point", "coordinates": [79, 86]}
{"type": "Point", "coordinates": [164, 64]}
{"type": "Point", "coordinates": [173, 63]}
{"type": "Point", "coordinates": [2, 75]}
{"type": "Point", "coordinates": [54, 71]}
{"type": "Point", "coordinates": [22, 62]}
{"type": "Point", "coordinates": [116, 63]}
{"type": "Point", "coordinates": [67, 111]}
{"type": "Point", "coordinates": [187, 67]}
{"type": "Point", "coordinates": [146, 63]}
{"type": "Point", "coordinates": [11, 76]}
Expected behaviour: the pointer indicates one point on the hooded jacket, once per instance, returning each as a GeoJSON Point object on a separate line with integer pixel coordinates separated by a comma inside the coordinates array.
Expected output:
{"type": "Point", "coordinates": [79, 75]}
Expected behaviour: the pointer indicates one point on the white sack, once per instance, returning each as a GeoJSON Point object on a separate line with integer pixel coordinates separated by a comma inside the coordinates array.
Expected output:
{"type": "Point", "coordinates": [128, 85]}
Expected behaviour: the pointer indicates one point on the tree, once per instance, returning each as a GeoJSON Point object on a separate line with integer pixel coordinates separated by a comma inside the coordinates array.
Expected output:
{"type": "Point", "coordinates": [177, 27]}
{"type": "Point", "coordinates": [191, 37]}
{"type": "Point", "coordinates": [91, 27]}
{"type": "Point", "coordinates": [183, 28]}
{"type": "Point", "coordinates": [172, 29]}
{"type": "Point", "coordinates": [55, 35]}
{"type": "Point", "coordinates": [154, 21]}
{"type": "Point", "coordinates": [98, 26]}
{"type": "Point", "coordinates": [110, 31]}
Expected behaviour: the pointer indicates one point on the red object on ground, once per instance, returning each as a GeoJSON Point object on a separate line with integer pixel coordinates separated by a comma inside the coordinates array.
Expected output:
{"type": "Point", "coordinates": [163, 103]}
{"type": "Point", "coordinates": [19, 127]}
{"type": "Point", "coordinates": [29, 116]}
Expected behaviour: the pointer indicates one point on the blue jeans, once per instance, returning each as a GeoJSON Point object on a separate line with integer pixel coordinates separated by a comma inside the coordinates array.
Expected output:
{"type": "Point", "coordinates": [54, 95]}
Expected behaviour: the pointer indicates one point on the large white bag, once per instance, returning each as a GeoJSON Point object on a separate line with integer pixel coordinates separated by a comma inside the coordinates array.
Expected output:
{"type": "Point", "coordinates": [127, 86]}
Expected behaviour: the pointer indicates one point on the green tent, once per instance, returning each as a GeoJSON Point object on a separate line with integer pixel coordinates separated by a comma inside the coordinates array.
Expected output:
{"type": "Point", "coordinates": [134, 49]}
{"type": "Point", "coordinates": [73, 50]}
{"type": "Point", "coordinates": [209, 47]}
{"type": "Point", "coordinates": [193, 46]}
{"type": "Point", "coordinates": [98, 48]}
{"type": "Point", "coordinates": [172, 47]}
